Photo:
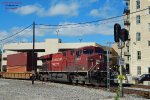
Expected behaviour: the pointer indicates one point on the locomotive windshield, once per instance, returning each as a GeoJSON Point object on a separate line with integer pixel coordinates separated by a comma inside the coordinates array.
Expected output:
{"type": "Point", "coordinates": [87, 51]}
{"type": "Point", "coordinates": [98, 50]}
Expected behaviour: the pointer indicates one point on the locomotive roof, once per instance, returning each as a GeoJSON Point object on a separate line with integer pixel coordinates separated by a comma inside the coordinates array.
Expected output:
{"type": "Point", "coordinates": [90, 47]}
{"type": "Point", "coordinates": [46, 56]}
{"type": "Point", "coordinates": [50, 55]}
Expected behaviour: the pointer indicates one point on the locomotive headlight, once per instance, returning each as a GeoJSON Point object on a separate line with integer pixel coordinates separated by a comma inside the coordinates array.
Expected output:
{"type": "Point", "coordinates": [100, 57]}
{"type": "Point", "coordinates": [82, 68]}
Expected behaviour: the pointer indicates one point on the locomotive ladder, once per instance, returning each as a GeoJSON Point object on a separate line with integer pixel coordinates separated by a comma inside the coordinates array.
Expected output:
{"type": "Point", "coordinates": [90, 70]}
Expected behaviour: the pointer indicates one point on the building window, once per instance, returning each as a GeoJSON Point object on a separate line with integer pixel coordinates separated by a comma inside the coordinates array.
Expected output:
{"type": "Point", "coordinates": [138, 19]}
{"type": "Point", "coordinates": [137, 4]}
{"type": "Point", "coordinates": [149, 9]}
{"type": "Point", "coordinates": [4, 51]}
{"type": "Point", "coordinates": [138, 55]}
{"type": "Point", "coordinates": [138, 36]}
{"type": "Point", "coordinates": [149, 27]}
{"type": "Point", "coordinates": [138, 70]}
{"type": "Point", "coordinates": [148, 43]}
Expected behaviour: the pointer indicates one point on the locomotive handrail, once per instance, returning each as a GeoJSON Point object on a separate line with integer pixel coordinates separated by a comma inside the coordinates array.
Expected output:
{"type": "Point", "coordinates": [90, 70]}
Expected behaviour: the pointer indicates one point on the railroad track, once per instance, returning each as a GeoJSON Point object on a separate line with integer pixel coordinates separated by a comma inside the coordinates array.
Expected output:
{"type": "Point", "coordinates": [139, 90]}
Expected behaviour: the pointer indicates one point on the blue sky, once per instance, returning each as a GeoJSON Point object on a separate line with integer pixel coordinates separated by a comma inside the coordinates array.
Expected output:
{"type": "Point", "coordinates": [17, 14]}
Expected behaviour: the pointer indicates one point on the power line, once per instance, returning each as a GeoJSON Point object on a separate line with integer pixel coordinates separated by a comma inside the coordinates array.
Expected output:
{"type": "Point", "coordinates": [15, 33]}
{"type": "Point", "coordinates": [103, 23]}
{"type": "Point", "coordinates": [71, 26]}
{"type": "Point", "coordinates": [82, 23]}
{"type": "Point", "coordinates": [89, 22]}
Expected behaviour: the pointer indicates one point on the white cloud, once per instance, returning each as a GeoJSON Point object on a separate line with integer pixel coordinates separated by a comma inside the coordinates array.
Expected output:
{"type": "Point", "coordinates": [24, 35]}
{"type": "Point", "coordinates": [104, 29]}
{"type": "Point", "coordinates": [109, 9]}
{"type": "Point", "coordinates": [28, 9]}
{"type": "Point", "coordinates": [63, 9]}
{"type": "Point", "coordinates": [58, 9]}
{"type": "Point", "coordinates": [94, 12]}
{"type": "Point", "coordinates": [39, 31]}
{"type": "Point", "coordinates": [3, 34]}
{"type": "Point", "coordinates": [71, 30]}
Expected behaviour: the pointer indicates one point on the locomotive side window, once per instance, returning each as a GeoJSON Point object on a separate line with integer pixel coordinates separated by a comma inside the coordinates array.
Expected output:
{"type": "Point", "coordinates": [71, 52]}
{"type": "Point", "coordinates": [64, 53]}
{"type": "Point", "coordinates": [78, 53]}
{"type": "Point", "coordinates": [87, 51]}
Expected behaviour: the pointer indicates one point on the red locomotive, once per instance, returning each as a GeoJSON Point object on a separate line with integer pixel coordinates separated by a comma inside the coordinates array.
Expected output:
{"type": "Point", "coordinates": [84, 65]}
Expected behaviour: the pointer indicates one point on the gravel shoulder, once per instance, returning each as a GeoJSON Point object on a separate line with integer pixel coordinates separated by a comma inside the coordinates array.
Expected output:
{"type": "Point", "coordinates": [24, 90]}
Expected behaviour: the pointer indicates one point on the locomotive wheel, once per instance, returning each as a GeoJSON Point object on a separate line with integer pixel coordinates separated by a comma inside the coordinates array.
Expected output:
{"type": "Point", "coordinates": [83, 82]}
{"type": "Point", "coordinates": [96, 83]}
{"type": "Point", "coordinates": [41, 78]}
{"type": "Point", "coordinates": [45, 79]}
{"type": "Point", "coordinates": [75, 82]}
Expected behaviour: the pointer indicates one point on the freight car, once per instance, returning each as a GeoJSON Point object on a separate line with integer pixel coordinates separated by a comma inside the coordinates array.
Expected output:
{"type": "Point", "coordinates": [19, 65]}
{"type": "Point", "coordinates": [85, 65]}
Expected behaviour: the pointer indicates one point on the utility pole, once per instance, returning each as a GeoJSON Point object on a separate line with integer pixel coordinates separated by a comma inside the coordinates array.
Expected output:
{"type": "Point", "coordinates": [120, 37]}
{"type": "Point", "coordinates": [108, 65]}
{"type": "Point", "coordinates": [33, 58]}
{"type": "Point", "coordinates": [121, 65]}
{"type": "Point", "coordinates": [121, 45]}
{"type": "Point", "coordinates": [108, 70]}
{"type": "Point", "coordinates": [2, 57]}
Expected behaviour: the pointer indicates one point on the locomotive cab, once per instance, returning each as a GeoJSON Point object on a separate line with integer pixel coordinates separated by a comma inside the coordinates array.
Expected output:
{"type": "Point", "coordinates": [91, 66]}
{"type": "Point", "coordinates": [90, 56]}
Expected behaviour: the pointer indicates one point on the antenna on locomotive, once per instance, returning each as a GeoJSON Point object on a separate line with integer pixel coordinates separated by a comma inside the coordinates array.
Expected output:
{"type": "Point", "coordinates": [57, 31]}
{"type": "Point", "coordinates": [80, 40]}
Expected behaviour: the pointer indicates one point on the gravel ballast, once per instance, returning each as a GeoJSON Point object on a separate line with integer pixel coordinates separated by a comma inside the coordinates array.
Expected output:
{"type": "Point", "coordinates": [24, 90]}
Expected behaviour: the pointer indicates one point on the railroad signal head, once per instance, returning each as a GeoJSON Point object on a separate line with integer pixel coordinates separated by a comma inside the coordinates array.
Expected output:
{"type": "Point", "coordinates": [124, 35]}
{"type": "Point", "coordinates": [117, 30]}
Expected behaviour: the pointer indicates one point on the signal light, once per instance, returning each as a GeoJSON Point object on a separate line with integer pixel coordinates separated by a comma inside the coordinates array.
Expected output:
{"type": "Point", "coordinates": [124, 35]}
{"type": "Point", "coordinates": [119, 33]}
{"type": "Point", "coordinates": [117, 29]}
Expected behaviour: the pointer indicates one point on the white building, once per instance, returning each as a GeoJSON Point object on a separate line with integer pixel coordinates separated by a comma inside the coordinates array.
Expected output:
{"type": "Point", "coordinates": [140, 37]}
{"type": "Point", "coordinates": [43, 48]}
{"type": "Point", "coordinates": [137, 49]}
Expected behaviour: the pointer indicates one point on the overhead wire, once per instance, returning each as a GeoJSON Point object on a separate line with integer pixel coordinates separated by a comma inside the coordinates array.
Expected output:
{"type": "Point", "coordinates": [76, 26]}
{"type": "Point", "coordinates": [89, 22]}
{"type": "Point", "coordinates": [16, 33]}
{"type": "Point", "coordinates": [103, 23]}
